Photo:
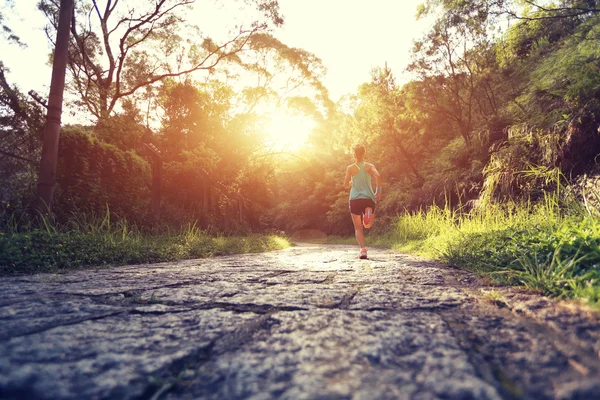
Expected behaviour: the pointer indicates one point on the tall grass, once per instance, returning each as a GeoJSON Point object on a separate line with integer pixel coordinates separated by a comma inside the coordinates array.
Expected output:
{"type": "Point", "coordinates": [552, 246]}
{"type": "Point", "coordinates": [27, 247]}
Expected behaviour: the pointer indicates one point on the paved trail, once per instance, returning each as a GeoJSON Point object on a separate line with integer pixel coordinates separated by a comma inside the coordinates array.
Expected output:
{"type": "Point", "coordinates": [310, 322]}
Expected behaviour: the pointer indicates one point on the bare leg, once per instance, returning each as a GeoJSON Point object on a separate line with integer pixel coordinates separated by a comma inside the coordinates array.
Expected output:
{"type": "Point", "coordinates": [358, 230]}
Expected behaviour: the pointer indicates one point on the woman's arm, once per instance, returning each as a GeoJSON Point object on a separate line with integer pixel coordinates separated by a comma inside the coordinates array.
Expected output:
{"type": "Point", "coordinates": [348, 179]}
{"type": "Point", "coordinates": [373, 171]}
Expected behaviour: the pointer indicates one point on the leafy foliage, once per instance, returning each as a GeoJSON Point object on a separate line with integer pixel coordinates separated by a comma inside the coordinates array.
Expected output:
{"type": "Point", "coordinates": [116, 51]}
{"type": "Point", "coordinates": [21, 125]}
{"type": "Point", "coordinates": [92, 176]}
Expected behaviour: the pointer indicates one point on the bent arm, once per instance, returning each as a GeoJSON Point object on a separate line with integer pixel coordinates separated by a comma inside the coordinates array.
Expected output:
{"type": "Point", "coordinates": [348, 179]}
{"type": "Point", "coordinates": [374, 173]}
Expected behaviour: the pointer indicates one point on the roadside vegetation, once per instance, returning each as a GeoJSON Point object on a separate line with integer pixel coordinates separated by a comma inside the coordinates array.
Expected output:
{"type": "Point", "coordinates": [536, 246]}
{"type": "Point", "coordinates": [88, 241]}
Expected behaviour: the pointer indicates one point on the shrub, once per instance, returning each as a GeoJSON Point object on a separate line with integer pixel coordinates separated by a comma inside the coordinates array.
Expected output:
{"type": "Point", "coordinates": [92, 176]}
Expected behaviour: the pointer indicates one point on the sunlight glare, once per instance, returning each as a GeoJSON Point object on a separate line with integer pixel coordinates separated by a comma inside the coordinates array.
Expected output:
{"type": "Point", "coordinates": [287, 131]}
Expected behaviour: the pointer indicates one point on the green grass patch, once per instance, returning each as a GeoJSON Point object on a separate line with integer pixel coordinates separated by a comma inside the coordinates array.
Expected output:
{"type": "Point", "coordinates": [543, 247]}
{"type": "Point", "coordinates": [97, 242]}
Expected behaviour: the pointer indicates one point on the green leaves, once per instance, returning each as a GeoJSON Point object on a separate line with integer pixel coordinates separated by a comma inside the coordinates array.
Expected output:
{"type": "Point", "coordinates": [92, 175]}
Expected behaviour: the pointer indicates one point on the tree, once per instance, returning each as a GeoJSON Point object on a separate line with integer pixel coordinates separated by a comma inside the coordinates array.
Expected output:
{"type": "Point", "coordinates": [529, 10]}
{"type": "Point", "coordinates": [538, 10]}
{"type": "Point", "coordinates": [193, 116]}
{"type": "Point", "coordinates": [281, 72]}
{"type": "Point", "coordinates": [48, 159]}
{"type": "Point", "coordinates": [209, 169]}
{"type": "Point", "coordinates": [125, 129]}
{"type": "Point", "coordinates": [116, 51]}
{"type": "Point", "coordinates": [21, 124]}
{"type": "Point", "coordinates": [446, 63]}
{"type": "Point", "coordinates": [382, 117]}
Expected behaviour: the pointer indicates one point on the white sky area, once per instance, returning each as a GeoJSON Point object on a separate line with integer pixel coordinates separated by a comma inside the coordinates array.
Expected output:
{"type": "Point", "coordinates": [351, 37]}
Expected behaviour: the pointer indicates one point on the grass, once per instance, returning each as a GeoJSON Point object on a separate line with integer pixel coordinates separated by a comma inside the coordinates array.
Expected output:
{"type": "Point", "coordinates": [100, 241]}
{"type": "Point", "coordinates": [493, 296]}
{"type": "Point", "coordinates": [550, 247]}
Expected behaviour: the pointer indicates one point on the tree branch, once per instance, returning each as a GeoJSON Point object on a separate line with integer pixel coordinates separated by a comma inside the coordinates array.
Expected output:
{"type": "Point", "coordinates": [18, 157]}
{"type": "Point", "coordinates": [105, 36]}
{"type": "Point", "coordinates": [200, 66]}
{"type": "Point", "coordinates": [553, 13]}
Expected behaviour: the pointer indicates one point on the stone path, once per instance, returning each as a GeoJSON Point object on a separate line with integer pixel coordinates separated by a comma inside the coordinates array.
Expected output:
{"type": "Point", "coordinates": [310, 322]}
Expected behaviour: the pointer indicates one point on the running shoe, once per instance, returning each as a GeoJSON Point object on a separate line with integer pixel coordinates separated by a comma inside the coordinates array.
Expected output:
{"type": "Point", "coordinates": [368, 217]}
{"type": "Point", "coordinates": [363, 253]}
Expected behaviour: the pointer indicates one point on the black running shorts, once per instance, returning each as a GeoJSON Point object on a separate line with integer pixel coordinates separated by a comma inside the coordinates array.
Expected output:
{"type": "Point", "coordinates": [358, 206]}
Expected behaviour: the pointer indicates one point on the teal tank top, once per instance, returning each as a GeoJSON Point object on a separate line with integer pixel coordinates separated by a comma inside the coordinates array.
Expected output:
{"type": "Point", "coordinates": [361, 184]}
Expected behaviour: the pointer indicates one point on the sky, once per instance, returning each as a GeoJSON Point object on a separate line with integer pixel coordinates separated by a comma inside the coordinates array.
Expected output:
{"type": "Point", "coordinates": [350, 36]}
{"type": "Point", "coordinates": [353, 36]}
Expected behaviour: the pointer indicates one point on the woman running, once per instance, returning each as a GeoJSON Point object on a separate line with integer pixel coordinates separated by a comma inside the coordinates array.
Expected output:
{"type": "Point", "coordinates": [362, 196]}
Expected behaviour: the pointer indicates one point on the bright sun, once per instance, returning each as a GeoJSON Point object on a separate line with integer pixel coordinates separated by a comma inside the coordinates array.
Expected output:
{"type": "Point", "coordinates": [287, 131]}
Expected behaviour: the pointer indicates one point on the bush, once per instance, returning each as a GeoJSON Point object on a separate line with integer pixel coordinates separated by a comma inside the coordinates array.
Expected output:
{"type": "Point", "coordinates": [92, 176]}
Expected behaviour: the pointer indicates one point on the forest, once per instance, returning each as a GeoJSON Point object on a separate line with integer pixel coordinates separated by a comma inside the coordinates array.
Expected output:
{"type": "Point", "coordinates": [488, 153]}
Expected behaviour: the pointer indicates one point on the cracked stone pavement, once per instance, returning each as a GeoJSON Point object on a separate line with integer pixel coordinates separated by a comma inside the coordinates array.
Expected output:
{"type": "Point", "coordinates": [309, 322]}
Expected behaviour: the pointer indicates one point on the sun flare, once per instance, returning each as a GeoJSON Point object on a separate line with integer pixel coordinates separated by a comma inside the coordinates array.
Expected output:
{"type": "Point", "coordinates": [288, 131]}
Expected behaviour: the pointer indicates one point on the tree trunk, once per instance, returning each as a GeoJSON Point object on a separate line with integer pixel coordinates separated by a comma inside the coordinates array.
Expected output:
{"type": "Point", "coordinates": [57, 86]}
{"type": "Point", "coordinates": [410, 163]}
{"type": "Point", "coordinates": [104, 111]}
{"type": "Point", "coordinates": [465, 132]}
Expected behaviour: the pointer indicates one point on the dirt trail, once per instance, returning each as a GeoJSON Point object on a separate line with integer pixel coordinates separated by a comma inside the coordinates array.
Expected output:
{"type": "Point", "coordinates": [310, 322]}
